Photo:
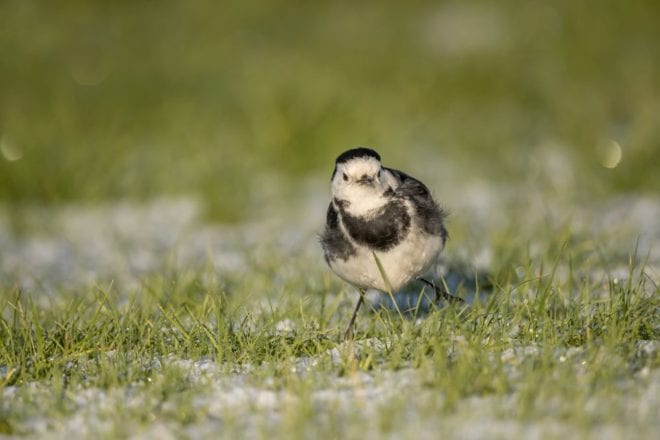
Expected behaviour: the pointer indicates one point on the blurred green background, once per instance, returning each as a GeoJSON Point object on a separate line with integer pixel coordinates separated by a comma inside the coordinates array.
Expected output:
{"type": "Point", "coordinates": [134, 99]}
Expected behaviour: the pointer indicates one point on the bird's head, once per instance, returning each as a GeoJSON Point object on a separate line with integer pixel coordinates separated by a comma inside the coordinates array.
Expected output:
{"type": "Point", "coordinates": [358, 173]}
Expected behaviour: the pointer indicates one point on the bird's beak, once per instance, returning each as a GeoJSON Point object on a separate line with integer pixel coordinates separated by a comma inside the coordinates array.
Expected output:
{"type": "Point", "coordinates": [366, 180]}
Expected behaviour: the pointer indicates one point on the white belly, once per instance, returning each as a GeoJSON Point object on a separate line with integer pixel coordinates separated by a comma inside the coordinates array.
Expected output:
{"type": "Point", "coordinates": [410, 259]}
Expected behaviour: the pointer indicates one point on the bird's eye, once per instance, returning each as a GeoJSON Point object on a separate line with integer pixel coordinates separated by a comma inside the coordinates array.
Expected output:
{"type": "Point", "coordinates": [345, 176]}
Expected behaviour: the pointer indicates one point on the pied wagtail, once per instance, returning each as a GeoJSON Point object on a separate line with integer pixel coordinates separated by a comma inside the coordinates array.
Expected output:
{"type": "Point", "coordinates": [383, 217]}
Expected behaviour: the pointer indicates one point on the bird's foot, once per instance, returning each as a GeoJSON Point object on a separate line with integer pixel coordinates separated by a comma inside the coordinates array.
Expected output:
{"type": "Point", "coordinates": [440, 293]}
{"type": "Point", "coordinates": [348, 334]}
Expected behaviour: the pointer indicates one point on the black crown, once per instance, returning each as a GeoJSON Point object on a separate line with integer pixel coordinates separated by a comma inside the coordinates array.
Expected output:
{"type": "Point", "coordinates": [356, 152]}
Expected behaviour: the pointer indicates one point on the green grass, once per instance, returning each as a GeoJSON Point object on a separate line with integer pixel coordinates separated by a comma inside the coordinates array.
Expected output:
{"type": "Point", "coordinates": [541, 348]}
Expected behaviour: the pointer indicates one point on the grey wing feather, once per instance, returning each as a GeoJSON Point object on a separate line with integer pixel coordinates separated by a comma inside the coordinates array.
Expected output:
{"type": "Point", "coordinates": [430, 215]}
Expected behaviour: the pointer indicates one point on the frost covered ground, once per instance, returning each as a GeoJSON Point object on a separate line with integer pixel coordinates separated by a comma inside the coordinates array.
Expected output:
{"type": "Point", "coordinates": [143, 319]}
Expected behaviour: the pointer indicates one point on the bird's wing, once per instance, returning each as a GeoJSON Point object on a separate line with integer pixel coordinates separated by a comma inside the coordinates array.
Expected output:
{"type": "Point", "coordinates": [409, 185]}
{"type": "Point", "coordinates": [429, 214]}
{"type": "Point", "coordinates": [334, 242]}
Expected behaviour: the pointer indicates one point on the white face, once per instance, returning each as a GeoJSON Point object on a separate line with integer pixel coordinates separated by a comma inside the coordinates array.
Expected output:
{"type": "Point", "coordinates": [359, 178]}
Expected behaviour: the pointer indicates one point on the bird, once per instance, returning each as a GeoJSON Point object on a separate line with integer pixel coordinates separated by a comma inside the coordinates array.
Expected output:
{"type": "Point", "coordinates": [383, 229]}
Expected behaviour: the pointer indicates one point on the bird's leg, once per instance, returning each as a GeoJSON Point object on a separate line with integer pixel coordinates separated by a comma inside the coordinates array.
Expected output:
{"type": "Point", "coordinates": [348, 334]}
{"type": "Point", "coordinates": [439, 292]}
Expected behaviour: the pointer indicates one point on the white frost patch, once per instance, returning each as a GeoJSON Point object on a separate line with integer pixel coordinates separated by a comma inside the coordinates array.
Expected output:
{"type": "Point", "coordinates": [285, 327]}
{"type": "Point", "coordinates": [124, 242]}
{"type": "Point", "coordinates": [236, 404]}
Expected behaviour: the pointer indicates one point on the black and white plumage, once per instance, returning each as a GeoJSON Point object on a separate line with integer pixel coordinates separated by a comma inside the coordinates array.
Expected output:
{"type": "Point", "coordinates": [379, 212]}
